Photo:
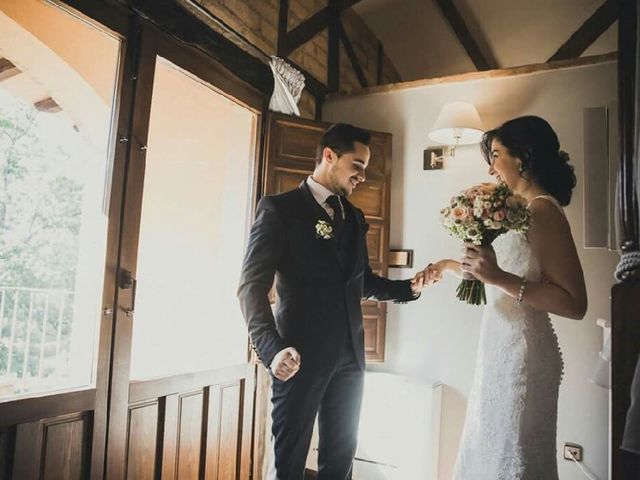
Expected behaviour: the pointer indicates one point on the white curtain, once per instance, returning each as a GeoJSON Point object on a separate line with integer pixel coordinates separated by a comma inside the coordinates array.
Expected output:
{"type": "Point", "coordinates": [287, 87]}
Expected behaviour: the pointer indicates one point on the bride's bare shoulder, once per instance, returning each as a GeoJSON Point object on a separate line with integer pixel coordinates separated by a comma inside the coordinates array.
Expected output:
{"type": "Point", "coordinates": [547, 219]}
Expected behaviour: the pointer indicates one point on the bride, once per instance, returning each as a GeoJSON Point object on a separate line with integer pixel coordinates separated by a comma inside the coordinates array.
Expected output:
{"type": "Point", "coordinates": [510, 428]}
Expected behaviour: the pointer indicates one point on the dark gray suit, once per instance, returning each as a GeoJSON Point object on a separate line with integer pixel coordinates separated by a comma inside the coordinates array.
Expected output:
{"type": "Point", "coordinates": [319, 284]}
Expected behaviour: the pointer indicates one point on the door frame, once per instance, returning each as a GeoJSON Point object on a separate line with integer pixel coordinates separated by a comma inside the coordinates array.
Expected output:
{"type": "Point", "coordinates": [151, 43]}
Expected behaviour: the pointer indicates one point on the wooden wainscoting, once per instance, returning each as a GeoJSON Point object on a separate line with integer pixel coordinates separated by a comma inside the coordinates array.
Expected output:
{"type": "Point", "coordinates": [47, 437]}
{"type": "Point", "coordinates": [192, 426]}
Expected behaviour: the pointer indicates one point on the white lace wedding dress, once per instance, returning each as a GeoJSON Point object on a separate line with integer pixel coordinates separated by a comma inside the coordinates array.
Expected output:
{"type": "Point", "coordinates": [510, 427]}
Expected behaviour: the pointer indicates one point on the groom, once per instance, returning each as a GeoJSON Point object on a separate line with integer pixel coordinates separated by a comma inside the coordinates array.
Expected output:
{"type": "Point", "coordinates": [312, 240]}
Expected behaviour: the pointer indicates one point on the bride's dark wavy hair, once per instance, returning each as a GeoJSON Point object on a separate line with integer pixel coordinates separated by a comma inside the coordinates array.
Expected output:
{"type": "Point", "coordinates": [533, 141]}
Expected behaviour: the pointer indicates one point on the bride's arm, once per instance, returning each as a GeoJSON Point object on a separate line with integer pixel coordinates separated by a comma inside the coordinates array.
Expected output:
{"type": "Point", "coordinates": [563, 290]}
{"type": "Point", "coordinates": [447, 265]}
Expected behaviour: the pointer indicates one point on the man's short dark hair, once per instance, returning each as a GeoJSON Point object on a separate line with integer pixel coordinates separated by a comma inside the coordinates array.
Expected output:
{"type": "Point", "coordinates": [340, 138]}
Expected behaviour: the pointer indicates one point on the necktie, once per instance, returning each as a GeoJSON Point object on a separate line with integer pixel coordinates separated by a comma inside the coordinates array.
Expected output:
{"type": "Point", "coordinates": [334, 203]}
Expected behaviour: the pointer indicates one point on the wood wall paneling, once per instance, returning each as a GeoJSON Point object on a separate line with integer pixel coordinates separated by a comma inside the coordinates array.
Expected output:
{"type": "Point", "coordinates": [67, 448]}
{"type": "Point", "coordinates": [142, 440]}
{"type": "Point", "coordinates": [230, 419]}
{"type": "Point", "coordinates": [52, 449]}
{"type": "Point", "coordinates": [169, 445]}
{"type": "Point", "coordinates": [189, 435]}
{"type": "Point", "coordinates": [7, 446]}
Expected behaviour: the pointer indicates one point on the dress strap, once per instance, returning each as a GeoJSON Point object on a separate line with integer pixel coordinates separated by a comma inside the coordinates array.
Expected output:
{"type": "Point", "coordinates": [550, 198]}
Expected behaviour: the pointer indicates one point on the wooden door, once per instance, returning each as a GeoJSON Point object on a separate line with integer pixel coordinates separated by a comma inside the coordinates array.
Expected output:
{"type": "Point", "coordinates": [63, 178]}
{"type": "Point", "coordinates": [290, 150]}
{"type": "Point", "coordinates": [182, 386]}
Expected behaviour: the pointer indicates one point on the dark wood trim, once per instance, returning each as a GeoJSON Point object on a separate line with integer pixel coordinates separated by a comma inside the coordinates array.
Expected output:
{"type": "Point", "coordinates": [318, 115]}
{"type": "Point", "coordinates": [169, 17]}
{"type": "Point", "coordinates": [112, 14]}
{"type": "Point", "coordinates": [140, 391]}
{"type": "Point", "coordinates": [333, 52]}
{"type": "Point", "coordinates": [453, 17]}
{"type": "Point", "coordinates": [355, 63]}
{"type": "Point", "coordinates": [8, 69]}
{"type": "Point", "coordinates": [500, 73]}
{"type": "Point", "coordinates": [627, 199]}
{"type": "Point", "coordinates": [313, 25]}
{"type": "Point", "coordinates": [33, 409]}
{"type": "Point", "coordinates": [283, 27]}
{"type": "Point", "coordinates": [217, 76]}
{"type": "Point", "coordinates": [118, 156]}
{"type": "Point", "coordinates": [186, 28]}
{"type": "Point", "coordinates": [588, 32]}
{"type": "Point", "coordinates": [131, 209]}
{"type": "Point", "coordinates": [380, 64]}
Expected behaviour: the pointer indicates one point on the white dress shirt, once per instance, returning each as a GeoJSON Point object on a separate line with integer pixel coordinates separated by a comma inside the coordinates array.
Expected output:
{"type": "Point", "coordinates": [320, 194]}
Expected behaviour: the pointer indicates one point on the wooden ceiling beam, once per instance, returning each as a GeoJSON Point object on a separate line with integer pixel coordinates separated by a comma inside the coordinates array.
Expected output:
{"type": "Point", "coordinates": [283, 22]}
{"type": "Point", "coordinates": [352, 56]}
{"type": "Point", "coordinates": [588, 32]}
{"type": "Point", "coordinates": [452, 15]}
{"type": "Point", "coordinates": [333, 50]}
{"type": "Point", "coordinates": [313, 25]}
{"type": "Point", "coordinates": [48, 105]}
{"type": "Point", "coordinates": [7, 69]}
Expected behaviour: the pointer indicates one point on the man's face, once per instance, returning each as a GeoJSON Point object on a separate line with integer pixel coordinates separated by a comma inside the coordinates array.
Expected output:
{"type": "Point", "coordinates": [347, 171]}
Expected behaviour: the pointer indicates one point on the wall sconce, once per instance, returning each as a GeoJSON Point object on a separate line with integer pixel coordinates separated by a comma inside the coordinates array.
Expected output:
{"type": "Point", "coordinates": [458, 123]}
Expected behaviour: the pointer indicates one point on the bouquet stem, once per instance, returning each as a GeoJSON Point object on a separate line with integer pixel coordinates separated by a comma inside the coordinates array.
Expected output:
{"type": "Point", "coordinates": [472, 291]}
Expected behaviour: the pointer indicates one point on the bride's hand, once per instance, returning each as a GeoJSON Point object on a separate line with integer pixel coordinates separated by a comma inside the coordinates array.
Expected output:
{"type": "Point", "coordinates": [481, 262]}
{"type": "Point", "coordinates": [434, 272]}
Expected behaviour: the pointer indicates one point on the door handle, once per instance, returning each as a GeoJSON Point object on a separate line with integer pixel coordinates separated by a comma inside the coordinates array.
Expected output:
{"type": "Point", "coordinates": [127, 281]}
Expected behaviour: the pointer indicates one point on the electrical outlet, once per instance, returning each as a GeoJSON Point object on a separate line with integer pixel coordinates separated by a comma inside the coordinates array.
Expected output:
{"type": "Point", "coordinates": [571, 451]}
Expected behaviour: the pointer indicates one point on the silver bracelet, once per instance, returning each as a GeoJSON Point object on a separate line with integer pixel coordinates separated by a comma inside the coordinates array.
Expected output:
{"type": "Point", "coordinates": [523, 286]}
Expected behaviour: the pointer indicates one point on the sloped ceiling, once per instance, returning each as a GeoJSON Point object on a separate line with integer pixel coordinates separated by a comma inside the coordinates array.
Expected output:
{"type": "Point", "coordinates": [421, 43]}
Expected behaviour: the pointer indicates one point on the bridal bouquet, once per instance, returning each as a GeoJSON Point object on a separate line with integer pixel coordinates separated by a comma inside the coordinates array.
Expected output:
{"type": "Point", "coordinates": [479, 215]}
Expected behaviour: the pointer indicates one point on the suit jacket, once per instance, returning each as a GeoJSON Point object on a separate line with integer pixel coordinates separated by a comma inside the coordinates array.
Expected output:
{"type": "Point", "coordinates": [318, 296]}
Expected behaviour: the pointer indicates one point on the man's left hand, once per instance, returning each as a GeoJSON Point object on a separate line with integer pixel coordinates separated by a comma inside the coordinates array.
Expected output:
{"type": "Point", "coordinates": [417, 283]}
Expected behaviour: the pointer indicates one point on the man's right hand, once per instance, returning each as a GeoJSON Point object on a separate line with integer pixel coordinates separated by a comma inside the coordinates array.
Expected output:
{"type": "Point", "coordinates": [285, 364]}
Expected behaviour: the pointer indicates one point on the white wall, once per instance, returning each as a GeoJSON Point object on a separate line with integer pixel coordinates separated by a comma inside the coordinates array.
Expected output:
{"type": "Point", "coordinates": [435, 338]}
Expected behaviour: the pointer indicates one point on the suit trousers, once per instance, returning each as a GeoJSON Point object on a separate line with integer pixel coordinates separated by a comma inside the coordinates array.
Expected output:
{"type": "Point", "coordinates": [335, 396]}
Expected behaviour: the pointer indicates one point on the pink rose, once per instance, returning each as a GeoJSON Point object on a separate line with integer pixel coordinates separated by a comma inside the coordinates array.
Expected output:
{"type": "Point", "coordinates": [499, 215]}
{"type": "Point", "coordinates": [459, 213]}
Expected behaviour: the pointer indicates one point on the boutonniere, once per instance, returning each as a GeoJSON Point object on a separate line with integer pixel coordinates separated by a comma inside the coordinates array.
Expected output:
{"type": "Point", "coordinates": [324, 230]}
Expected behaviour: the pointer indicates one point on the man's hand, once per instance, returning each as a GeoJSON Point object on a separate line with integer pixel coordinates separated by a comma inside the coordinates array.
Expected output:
{"type": "Point", "coordinates": [285, 364]}
{"type": "Point", "coordinates": [417, 283]}
{"type": "Point", "coordinates": [430, 275]}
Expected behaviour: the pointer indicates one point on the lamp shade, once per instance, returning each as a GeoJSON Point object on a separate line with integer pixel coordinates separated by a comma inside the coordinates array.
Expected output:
{"type": "Point", "coordinates": [457, 124]}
